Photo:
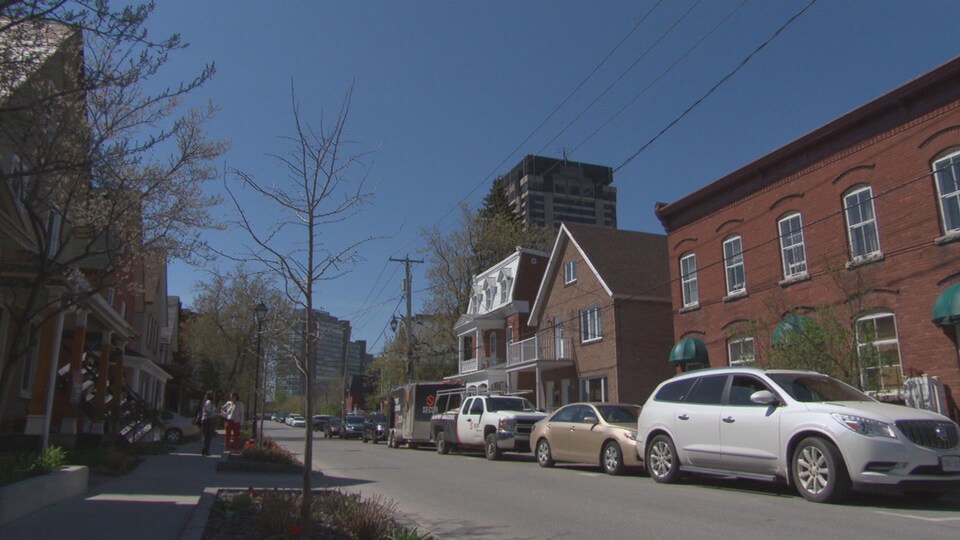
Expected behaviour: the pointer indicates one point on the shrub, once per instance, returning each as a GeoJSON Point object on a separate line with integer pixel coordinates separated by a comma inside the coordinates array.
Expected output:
{"type": "Point", "coordinates": [15, 467]}
{"type": "Point", "coordinates": [51, 459]}
{"type": "Point", "coordinates": [268, 451]}
{"type": "Point", "coordinates": [103, 459]}
{"type": "Point", "coordinates": [278, 509]}
{"type": "Point", "coordinates": [365, 519]}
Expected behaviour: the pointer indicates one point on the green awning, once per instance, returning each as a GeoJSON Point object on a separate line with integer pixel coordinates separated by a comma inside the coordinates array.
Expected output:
{"type": "Point", "coordinates": [946, 310]}
{"type": "Point", "coordinates": [689, 350]}
{"type": "Point", "coordinates": [790, 323]}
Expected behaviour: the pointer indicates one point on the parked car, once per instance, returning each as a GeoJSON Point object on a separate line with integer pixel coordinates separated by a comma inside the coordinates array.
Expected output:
{"type": "Point", "coordinates": [818, 434]}
{"type": "Point", "coordinates": [374, 428]}
{"type": "Point", "coordinates": [333, 427]}
{"type": "Point", "coordinates": [597, 433]}
{"type": "Point", "coordinates": [320, 420]}
{"type": "Point", "coordinates": [176, 427]}
{"type": "Point", "coordinates": [295, 420]}
{"type": "Point", "coordinates": [352, 427]}
{"type": "Point", "coordinates": [282, 417]}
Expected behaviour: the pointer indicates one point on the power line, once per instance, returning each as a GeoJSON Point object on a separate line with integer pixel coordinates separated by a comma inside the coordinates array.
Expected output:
{"type": "Point", "coordinates": [719, 83]}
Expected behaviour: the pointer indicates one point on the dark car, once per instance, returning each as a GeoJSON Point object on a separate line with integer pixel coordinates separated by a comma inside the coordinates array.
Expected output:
{"type": "Point", "coordinates": [374, 428]}
{"type": "Point", "coordinates": [333, 428]}
{"type": "Point", "coordinates": [282, 417]}
{"type": "Point", "coordinates": [352, 427]}
{"type": "Point", "coordinates": [320, 421]}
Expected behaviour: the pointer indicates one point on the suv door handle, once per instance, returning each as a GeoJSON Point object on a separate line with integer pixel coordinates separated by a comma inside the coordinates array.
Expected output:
{"type": "Point", "coordinates": [684, 416]}
{"type": "Point", "coordinates": [729, 420]}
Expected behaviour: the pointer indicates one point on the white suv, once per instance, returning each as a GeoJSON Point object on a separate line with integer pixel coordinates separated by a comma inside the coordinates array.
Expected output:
{"type": "Point", "coordinates": [810, 430]}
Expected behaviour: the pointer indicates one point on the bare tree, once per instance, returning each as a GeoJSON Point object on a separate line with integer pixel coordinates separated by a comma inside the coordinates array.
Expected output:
{"type": "Point", "coordinates": [318, 189]}
{"type": "Point", "coordinates": [106, 176]}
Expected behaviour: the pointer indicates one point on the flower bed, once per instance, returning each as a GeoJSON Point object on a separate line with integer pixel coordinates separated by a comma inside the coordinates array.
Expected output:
{"type": "Point", "coordinates": [274, 513]}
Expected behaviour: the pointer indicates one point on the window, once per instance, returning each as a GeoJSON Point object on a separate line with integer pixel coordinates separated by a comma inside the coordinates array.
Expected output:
{"type": "Point", "coordinates": [569, 272]}
{"type": "Point", "coordinates": [708, 390]}
{"type": "Point", "coordinates": [590, 324]}
{"type": "Point", "coordinates": [674, 391]}
{"type": "Point", "coordinates": [29, 372]}
{"type": "Point", "coordinates": [505, 290]}
{"type": "Point", "coordinates": [879, 352]}
{"type": "Point", "coordinates": [861, 223]}
{"type": "Point", "coordinates": [509, 335]}
{"type": "Point", "coordinates": [742, 387]}
{"type": "Point", "coordinates": [593, 389]}
{"type": "Point", "coordinates": [466, 406]}
{"type": "Point", "coordinates": [791, 246]}
{"type": "Point", "coordinates": [947, 174]}
{"type": "Point", "coordinates": [487, 298]}
{"type": "Point", "coordinates": [733, 263]}
{"type": "Point", "coordinates": [492, 343]}
{"type": "Point", "coordinates": [740, 350]}
{"type": "Point", "coordinates": [477, 407]}
{"type": "Point", "coordinates": [688, 280]}
{"type": "Point", "coordinates": [467, 347]}
{"type": "Point", "coordinates": [53, 233]}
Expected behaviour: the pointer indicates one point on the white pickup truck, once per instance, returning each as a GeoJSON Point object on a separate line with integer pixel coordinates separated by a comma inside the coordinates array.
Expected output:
{"type": "Point", "coordinates": [494, 423]}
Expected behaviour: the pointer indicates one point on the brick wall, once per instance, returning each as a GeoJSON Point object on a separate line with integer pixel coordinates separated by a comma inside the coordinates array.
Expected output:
{"type": "Point", "coordinates": [912, 273]}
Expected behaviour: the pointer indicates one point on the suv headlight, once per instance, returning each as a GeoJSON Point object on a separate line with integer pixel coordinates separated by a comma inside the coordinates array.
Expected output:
{"type": "Point", "coordinates": [507, 424]}
{"type": "Point", "coordinates": [865, 426]}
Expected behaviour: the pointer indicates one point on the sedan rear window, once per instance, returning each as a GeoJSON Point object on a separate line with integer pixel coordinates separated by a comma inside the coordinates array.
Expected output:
{"type": "Point", "coordinates": [618, 414]}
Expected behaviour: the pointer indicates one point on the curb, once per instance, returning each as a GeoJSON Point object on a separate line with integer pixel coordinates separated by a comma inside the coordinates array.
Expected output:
{"type": "Point", "coordinates": [198, 519]}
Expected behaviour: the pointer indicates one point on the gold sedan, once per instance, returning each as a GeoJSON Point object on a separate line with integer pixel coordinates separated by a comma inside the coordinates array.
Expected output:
{"type": "Point", "coordinates": [604, 433]}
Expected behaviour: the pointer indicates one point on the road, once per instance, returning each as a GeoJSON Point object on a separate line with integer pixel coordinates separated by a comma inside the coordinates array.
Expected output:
{"type": "Point", "coordinates": [466, 496]}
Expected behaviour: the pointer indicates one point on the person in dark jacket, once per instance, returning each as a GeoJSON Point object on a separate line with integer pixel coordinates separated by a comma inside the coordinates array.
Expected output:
{"type": "Point", "coordinates": [208, 418]}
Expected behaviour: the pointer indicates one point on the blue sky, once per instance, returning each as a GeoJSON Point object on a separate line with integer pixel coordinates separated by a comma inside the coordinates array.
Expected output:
{"type": "Point", "coordinates": [445, 91]}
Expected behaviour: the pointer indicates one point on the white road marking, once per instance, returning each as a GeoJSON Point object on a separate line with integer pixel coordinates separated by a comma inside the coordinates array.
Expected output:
{"type": "Point", "coordinates": [921, 518]}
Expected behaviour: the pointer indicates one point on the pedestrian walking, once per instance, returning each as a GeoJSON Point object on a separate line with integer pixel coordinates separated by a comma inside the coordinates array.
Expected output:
{"type": "Point", "coordinates": [232, 412]}
{"type": "Point", "coordinates": [208, 419]}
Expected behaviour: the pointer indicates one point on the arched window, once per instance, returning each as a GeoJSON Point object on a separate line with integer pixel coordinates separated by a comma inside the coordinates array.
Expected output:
{"type": "Point", "coordinates": [878, 347]}
{"type": "Point", "coordinates": [861, 223]}
{"type": "Point", "coordinates": [733, 265]}
{"type": "Point", "coordinates": [740, 351]}
{"type": "Point", "coordinates": [792, 251]}
{"type": "Point", "coordinates": [946, 171]}
{"type": "Point", "coordinates": [688, 280]}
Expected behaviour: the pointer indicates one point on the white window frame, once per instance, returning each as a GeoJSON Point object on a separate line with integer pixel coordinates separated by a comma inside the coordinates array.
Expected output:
{"type": "Point", "coordinates": [570, 272]}
{"type": "Point", "coordinates": [866, 226]}
{"type": "Point", "coordinates": [796, 248]}
{"type": "Point", "coordinates": [741, 359]}
{"type": "Point", "coordinates": [950, 162]}
{"type": "Point", "coordinates": [733, 263]}
{"type": "Point", "coordinates": [877, 343]}
{"type": "Point", "coordinates": [590, 329]}
{"type": "Point", "coordinates": [585, 387]}
{"type": "Point", "coordinates": [689, 290]}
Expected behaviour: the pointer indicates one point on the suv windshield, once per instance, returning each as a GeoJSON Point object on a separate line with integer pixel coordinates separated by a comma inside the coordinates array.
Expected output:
{"type": "Point", "coordinates": [495, 404]}
{"type": "Point", "coordinates": [354, 420]}
{"type": "Point", "coordinates": [809, 388]}
{"type": "Point", "coordinates": [377, 418]}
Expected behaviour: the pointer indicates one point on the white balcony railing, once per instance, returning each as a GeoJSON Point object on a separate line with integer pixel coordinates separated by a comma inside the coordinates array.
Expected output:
{"type": "Point", "coordinates": [468, 366]}
{"type": "Point", "coordinates": [539, 349]}
{"type": "Point", "coordinates": [477, 364]}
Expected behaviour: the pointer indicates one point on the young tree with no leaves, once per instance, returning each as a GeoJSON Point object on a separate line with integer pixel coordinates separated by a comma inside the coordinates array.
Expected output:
{"type": "Point", "coordinates": [106, 176]}
{"type": "Point", "coordinates": [320, 187]}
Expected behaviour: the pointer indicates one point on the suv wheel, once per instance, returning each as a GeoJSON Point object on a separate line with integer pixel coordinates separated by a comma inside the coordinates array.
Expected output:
{"type": "Point", "coordinates": [544, 457]}
{"type": "Point", "coordinates": [662, 462]}
{"type": "Point", "coordinates": [819, 472]}
{"type": "Point", "coordinates": [173, 435]}
{"type": "Point", "coordinates": [612, 458]}
{"type": "Point", "coordinates": [490, 449]}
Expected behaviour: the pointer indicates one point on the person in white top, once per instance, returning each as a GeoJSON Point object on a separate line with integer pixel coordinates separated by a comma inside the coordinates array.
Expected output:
{"type": "Point", "coordinates": [207, 416]}
{"type": "Point", "coordinates": [232, 412]}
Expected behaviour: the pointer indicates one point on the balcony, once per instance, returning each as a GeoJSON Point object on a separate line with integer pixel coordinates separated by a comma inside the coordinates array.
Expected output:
{"type": "Point", "coordinates": [533, 349]}
{"type": "Point", "coordinates": [479, 364]}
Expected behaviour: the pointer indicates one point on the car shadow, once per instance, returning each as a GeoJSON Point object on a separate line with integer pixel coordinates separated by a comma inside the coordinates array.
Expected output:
{"type": "Point", "coordinates": [949, 503]}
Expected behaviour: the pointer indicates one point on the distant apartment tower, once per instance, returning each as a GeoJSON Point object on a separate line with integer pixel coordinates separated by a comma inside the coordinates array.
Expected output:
{"type": "Point", "coordinates": [547, 192]}
{"type": "Point", "coordinates": [328, 357]}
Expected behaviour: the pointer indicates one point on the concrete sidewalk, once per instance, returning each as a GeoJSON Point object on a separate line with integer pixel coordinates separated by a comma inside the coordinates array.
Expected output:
{"type": "Point", "coordinates": [156, 500]}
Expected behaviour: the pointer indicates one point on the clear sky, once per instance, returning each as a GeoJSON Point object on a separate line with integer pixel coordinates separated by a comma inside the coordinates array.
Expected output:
{"type": "Point", "coordinates": [444, 92]}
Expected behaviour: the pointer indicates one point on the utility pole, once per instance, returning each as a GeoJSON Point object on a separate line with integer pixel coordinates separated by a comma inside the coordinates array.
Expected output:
{"type": "Point", "coordinates": [408, 292]}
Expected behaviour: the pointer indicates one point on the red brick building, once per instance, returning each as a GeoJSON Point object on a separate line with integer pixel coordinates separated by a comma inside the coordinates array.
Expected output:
{"type": "Point", "coordinates": [861, 215]}
{"type": "Point", "coordinates": [602, 315]}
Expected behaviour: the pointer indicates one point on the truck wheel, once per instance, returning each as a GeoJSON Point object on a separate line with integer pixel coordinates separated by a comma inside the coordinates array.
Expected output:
{"type": "Point", "coordinates": [490, 449]}
{"type": "Point", "coordinates": [442, 446]}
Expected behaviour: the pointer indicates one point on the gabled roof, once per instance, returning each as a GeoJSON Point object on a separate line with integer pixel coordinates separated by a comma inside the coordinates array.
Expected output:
{"type": "Point", "coordinates": [627, 263]}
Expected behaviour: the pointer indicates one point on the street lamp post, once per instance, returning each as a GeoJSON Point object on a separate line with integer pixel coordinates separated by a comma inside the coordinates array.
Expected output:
{"type": "Point", "coordinates": [259, 313]}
